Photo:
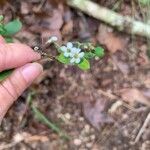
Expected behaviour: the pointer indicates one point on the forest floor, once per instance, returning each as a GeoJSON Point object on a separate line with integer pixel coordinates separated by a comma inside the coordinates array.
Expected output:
{"type": "Point", "coordinates": [101, 109]}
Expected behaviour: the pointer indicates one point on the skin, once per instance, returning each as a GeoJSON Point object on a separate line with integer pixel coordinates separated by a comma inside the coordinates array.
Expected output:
{"type": "Point", "coordinates": [17, 56]}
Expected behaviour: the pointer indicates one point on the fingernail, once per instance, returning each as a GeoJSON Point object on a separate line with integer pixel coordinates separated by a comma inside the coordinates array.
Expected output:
{"type": "Point", "coordinates": [31, 71]}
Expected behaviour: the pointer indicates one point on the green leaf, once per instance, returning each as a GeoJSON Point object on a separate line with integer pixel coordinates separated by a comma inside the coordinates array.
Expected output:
{"type": "Point", "coordinates": [40, 116]}
{"type": "Point", "coordinates": [148, 53]}
{"type": "Point", "coordinates": [84, 65]}
{"type": "Point", "coordinates": [61, 58]}
{"type": "Point", "coordinates": [2, 30]}
{"type": "Point", "coordinates": [9, 39]}
{"type": "Point", "coordinates": [99, 51]}
{"type": "Point", "coordinates": [1, 17]}
{"type": "Point", "coordinates": [144, 2]}
{"type": "Point", "coordinates": [5, 74]}
{"type": "Point", "coordinates": [13, 27]}
{"type": "Point", "coordinates": [89, 55]}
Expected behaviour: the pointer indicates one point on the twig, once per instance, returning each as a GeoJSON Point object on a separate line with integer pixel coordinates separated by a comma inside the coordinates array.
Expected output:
{"type": "Point", "coordinates": [25, 139]}
{"type": "Point", "coordinates": [143, 128]}
{"type": "Point", "coordinates": [122, 23]}
{"type": "Point", "coordinates": [114, 97]}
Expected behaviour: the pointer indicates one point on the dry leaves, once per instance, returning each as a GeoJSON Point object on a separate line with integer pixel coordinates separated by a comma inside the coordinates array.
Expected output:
{"type": "Point", "coordinates": [95, 113]}
{"type": "Point", "coordinates": [110, 40]}
{"type": "Point", "coordinates": [133, 95]}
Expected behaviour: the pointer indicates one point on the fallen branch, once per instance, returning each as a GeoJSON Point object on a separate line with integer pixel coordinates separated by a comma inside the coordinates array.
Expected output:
{"type": "Point", "coordinates": [122, 23]}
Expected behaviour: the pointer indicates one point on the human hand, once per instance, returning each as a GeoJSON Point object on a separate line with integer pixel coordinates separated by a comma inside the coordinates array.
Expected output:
{"type": "Point", "coordinates": [16, 56]}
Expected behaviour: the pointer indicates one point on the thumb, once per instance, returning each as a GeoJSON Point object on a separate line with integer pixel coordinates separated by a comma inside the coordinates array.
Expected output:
{"type": "Point", "coordinates": [13, 86]}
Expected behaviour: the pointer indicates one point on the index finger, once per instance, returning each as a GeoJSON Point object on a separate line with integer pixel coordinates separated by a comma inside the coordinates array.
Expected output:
{"type": "Point", "coordinates": [16, 55]}
{"type": "Point", "coordinates": [2, 40]}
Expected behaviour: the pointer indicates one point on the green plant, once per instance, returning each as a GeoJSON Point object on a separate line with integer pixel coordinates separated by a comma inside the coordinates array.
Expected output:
{"type": "Point", "coordinates": [9, 29]}
{"type": "Point", "coordinates": [73, 53]}
{"type": "Point", "coordinates": [144, 2]}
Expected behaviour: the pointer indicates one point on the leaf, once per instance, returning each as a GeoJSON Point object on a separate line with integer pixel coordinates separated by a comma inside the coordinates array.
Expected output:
{"type": "Point", "coordinates": [99, 51]}
{"type": "Point", "coordinates": [110, 40]}
{"type": "Point", "coordinates": [2, 30]}
{"type": "Point", "coordinates": [144, 2]}
{"type": "Point", "coordinates": [95, 112]}
{"type": "Point", "coordinates": [5, 74]}
{"type": "Point", "coordinates": [84, 65]}
{"type": "Point", "coordinates": [61, 58]}
{"type": "Point", "coordinates": [45, 121]}
{"type": "Point", "coordinates": [13, 27]}
{"type": "Point", "coordinates": [133, 95]}
{"type": "Point", "coordinates": [1, 17]}
{"type": "Point", "coordinates": [9, 39]}
{"type": "Point", "coordinates": [89, 55]}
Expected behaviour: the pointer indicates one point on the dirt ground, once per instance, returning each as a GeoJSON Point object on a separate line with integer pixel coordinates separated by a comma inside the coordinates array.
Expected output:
{"type": "Point", "coordinates": [100, 109]}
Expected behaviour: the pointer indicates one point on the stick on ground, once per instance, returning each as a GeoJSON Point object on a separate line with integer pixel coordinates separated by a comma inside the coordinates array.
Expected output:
{"type": "Point", "coordinates": [122, 23]}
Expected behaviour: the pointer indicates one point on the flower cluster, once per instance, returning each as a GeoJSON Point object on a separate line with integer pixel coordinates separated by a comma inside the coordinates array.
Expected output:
{"type": "Point", "coordinates": [72, 52]}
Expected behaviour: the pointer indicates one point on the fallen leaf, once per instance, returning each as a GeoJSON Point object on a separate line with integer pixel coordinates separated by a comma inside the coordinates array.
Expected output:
{"type": "Point", "coordinates": [133, 95]}
{"type": "Point", "coordinates": [25, 8]}
{"type": "Point", "coordinates": [67, 28]}
{"type": "Point", "coordinates": [110, 40]}
{"type": "Point", "coordinates": [55, 22]}
{"type": "Point", "coordinates": [123, 66]}
{"type": "Point", "coordinates": [95, 113]}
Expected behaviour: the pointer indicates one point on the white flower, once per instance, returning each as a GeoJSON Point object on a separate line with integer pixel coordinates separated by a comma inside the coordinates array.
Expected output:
{"type": "Point", "coordinates": [52, 39]}
{"type": "Point", "coordinates": [76, 55]}
{"type": "Point", "coordinates": [67, 49]}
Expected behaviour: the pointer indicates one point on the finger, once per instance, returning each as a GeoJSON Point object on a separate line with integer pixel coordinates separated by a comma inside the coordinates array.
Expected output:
{"type": "Point", "coordinates": [2, 40]}
{"type": "Point", "coordinates": [16, 55]}
{"type": "Point", "coordinates": [13, 86]}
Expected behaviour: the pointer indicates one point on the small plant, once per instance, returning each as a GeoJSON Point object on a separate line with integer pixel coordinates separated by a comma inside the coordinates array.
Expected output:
{"type": "Point", "coordinates": [73, 53]}
{"type": "Point", "coordinates": [9, 29]}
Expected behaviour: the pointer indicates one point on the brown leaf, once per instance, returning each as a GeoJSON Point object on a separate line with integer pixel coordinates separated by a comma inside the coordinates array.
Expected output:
{"type": "Point", "coordinates": [25, 8]}
{"type": "Point", "coordinates": [133, 95]}
{"type": "Point", "coordinates": [95, 113]}
{"type": "Point", "coordinates": [55, 22]}
{"type": "Point", "coordinates": [123, 66]}
{"type": "Point", "coordinates": [110, 40]}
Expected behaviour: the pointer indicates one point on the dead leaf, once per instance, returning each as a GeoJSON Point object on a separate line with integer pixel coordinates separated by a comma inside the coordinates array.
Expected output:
{"type": "Point", "coordinates": [133, 95]}
{"type": "Point", "coordinates": [67, 28]}
{"type": "Point", "coordinates": [110, 40]}
{"type": "Point", "coordinates": [123, 66]}
{"type": "Point", "coordinates": [55, 22]}
{"type": "Point", "coordinates": [95, 113]}
{"type": "Point", "coordinates": [25, 8]}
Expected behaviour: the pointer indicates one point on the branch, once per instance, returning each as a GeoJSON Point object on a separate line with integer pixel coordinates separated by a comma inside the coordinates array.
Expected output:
{"type": "Point", "coordinates": [122, 23]}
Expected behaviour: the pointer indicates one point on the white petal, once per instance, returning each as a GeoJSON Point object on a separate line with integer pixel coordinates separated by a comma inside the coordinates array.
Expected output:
{"type": "Point", "coordinates": [81, 54]}
{"type": "Point", "coordinates": [72, 60]}
{"type": "Point", "coordinates": [77, 60]}
{"type": "Point", "coordinates": [73, 50]}
{"type": "Point", "coordinates": [63, 48]}
{"type": "Point", "coordinates": [72, 54]}
{"type": "Point", "coordinates": [69, 45]}
{"type": "Point", "coordinates": [66, 54]}
{"type": "Point", "coordinates": [78, 50]}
